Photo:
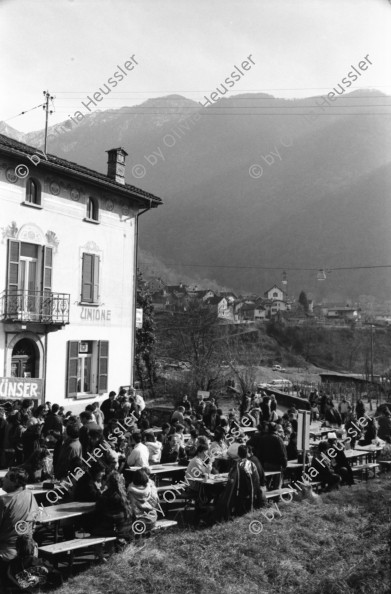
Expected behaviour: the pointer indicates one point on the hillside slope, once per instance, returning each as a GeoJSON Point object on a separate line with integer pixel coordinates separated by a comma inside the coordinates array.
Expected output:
{"type": "Point", "coordinates": [321, 201]}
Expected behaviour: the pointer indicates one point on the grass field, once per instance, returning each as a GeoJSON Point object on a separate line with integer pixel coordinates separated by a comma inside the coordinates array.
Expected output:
{"type": "Point", "coordinates": [340, 546]}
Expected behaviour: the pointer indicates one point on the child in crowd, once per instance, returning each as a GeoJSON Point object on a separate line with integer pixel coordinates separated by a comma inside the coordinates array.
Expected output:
{"type": "Point", "coordinates": [29, 572]}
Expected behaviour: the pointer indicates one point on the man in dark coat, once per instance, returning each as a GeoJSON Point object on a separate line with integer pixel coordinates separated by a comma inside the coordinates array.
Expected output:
{"type": "Point", "coordinates": [109, 407]}
{"type": "Point", "coordinates": [90, 427]}
{"type": "Point", "coordinates": [53, 425]}
{"type": "Point", "coordinates": [270, 451]}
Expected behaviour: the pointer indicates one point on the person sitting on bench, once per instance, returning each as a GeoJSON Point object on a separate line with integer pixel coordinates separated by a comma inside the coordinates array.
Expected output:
{"type": "Point", "coordinates": [16, 509]}
{"type": "Point", "coordinates": [321, 463]}
{"type": "Point", "coordinates": [340, 462]}
{"type": "Point", "coordinates": [113, 512]}
{"type": "Point", "coordinates": [143, 498]}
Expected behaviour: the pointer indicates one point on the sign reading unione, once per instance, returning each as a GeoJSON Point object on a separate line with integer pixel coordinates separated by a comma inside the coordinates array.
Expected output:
{"type": "Point", "coordinates": [93, 314]}
{"type": "Point", "coordinates": [16, 387]}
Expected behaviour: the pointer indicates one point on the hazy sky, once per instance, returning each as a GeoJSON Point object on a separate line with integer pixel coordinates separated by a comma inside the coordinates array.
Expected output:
{"type": "Point", "coordinates": [71, 47]}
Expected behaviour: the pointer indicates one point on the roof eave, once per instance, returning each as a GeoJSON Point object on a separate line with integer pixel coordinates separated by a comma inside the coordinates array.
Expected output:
{"type": "Point", "coordinates": [151, 200]}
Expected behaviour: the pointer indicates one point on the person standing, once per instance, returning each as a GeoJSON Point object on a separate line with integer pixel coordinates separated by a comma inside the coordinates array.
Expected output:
{"type": "Point", "coordinates": [98, 414]}
{"type": "Point", "coordinates": [186, 404]}
{"type": "Point", "coordinates": [109, 407]}
{"type": "Point", "coordinates": [265, 408]}
{"type": "Point", "coordinates": [360, 408]}
{"type": "Point", "coordinates": [273, 403]}
{"type": "Point", "coordinates": [53, 425]}
{"type": "Point", "coordinates": [384, 422]}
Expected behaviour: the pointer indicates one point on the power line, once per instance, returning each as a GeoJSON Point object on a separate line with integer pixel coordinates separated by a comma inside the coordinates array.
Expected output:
{"type": "Point", "coordinates": [211, 112]}
{"type": "Point", "coordinates": [287, 268]}
{"type": "Point", "coordinates": [174, 92]}
{"type": "Point", "coordinates": [198, 107]}
{"type": "Point", "coordinates": [24, 112]}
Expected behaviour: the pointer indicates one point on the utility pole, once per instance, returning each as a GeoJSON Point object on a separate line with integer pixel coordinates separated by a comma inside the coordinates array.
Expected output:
{"type": "Point", "coordinates": [372, 353]}
{"type": "Point", "coordinates": [46, 108]}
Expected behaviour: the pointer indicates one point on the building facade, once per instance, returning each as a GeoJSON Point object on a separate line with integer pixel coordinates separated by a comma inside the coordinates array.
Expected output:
{"type": "Point", "coordinates": [68, 257]}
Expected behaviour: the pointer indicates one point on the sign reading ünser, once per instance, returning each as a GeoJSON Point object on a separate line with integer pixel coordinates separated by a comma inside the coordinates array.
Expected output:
{"type": "Point", "coordinates": [16, 387]}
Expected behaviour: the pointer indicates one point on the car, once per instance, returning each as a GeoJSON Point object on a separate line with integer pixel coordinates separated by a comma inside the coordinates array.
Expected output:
{"type": "Point", "coordinates": [278, 368]}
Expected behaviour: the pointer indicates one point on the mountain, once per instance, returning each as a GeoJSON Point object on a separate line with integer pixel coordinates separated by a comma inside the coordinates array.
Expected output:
{"type": "Point", "coordinates": [316, 198]}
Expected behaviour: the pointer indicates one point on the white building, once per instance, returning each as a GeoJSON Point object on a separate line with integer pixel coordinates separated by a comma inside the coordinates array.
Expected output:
{"type": "Point", "coordinates": [67, 276]}
{"type": "Point", "coordinates": [275, 293]}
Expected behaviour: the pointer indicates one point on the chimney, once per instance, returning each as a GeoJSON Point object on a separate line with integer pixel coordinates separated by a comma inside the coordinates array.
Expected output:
{"type": "Point", "coordinates": [116, 165]}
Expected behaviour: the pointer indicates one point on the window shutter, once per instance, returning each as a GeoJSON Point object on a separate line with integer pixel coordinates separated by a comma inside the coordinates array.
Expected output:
{"type": "Point", "coordinates": [47, 266]}
{"type": "Point", "coordinates": [87, 278]}
{"type": "Point", "coordinates": [96, 279]}
{"type": "Point", "coordinates": [13, 266]}
{"type": "Point", "coordinates": [73, 356]}
{"type": "Point", "coordinates": [103, 365]}
{"type": "Point", "coordinates": [11, 305]}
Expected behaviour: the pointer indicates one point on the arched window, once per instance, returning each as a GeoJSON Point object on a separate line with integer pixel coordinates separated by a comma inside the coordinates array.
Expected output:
{"type": "Point", "coordinates": [92, 209]}
{"type": "Point", "coordinates": [33, 192]}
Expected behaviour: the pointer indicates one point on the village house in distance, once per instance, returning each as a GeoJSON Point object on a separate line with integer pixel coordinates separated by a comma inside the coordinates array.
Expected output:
{"type": "Point", "coordinates": [67, 275]}
{"type": "Point", "coordinates": [274, 303]}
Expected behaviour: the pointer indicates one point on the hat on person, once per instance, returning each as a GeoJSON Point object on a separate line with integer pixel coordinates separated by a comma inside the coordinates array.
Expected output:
{"type": "Point", "coordinates": [332, 435]}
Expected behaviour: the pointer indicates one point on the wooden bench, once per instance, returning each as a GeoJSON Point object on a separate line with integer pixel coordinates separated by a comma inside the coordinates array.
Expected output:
{"type": "Point", "coordinates": [164, 524]}
{"type": "Point", "coordinates": [385, 464]}
{"type": "Point", "coordinates": [366, 468]}
{"type": "Point", "coordinates": [70, 546]}
{"type": "Point", "coordinates": [279, 493]}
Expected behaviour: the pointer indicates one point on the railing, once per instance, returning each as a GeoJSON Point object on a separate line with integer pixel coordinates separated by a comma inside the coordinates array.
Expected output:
{"type": "Point", "coordinates": [35, 306]}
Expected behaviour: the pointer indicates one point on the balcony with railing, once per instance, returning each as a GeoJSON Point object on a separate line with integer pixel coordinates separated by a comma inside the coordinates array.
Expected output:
{"type": "Point", "coordinates": [42, 307]}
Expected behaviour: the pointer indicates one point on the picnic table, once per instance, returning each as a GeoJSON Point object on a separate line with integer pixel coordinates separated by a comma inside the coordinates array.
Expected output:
{"type": "Point", "coordinates": [159, 470]}
{"type": "Point", "coordinates": [369, 448]}
{"type": "Point", "coordinates": [37, 489]}
{"type": "Point", "coordinates": [294, 464]}
{"type": "Point", "coordinates": [55, 514]}
{"type": "Point", "coordinates": [65, 511]}
{"type": "Point", "coordinates": [214, 479]}
{"type": "Point", "coordinates": [354, 455]}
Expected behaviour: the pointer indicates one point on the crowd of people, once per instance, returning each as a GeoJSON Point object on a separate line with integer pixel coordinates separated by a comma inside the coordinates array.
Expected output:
{"type": "Point", "coordinates": [98, 445]}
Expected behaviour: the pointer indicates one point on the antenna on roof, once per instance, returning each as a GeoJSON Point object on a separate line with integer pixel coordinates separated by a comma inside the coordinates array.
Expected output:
{"type": "Point", "coordinates": [46, 108]}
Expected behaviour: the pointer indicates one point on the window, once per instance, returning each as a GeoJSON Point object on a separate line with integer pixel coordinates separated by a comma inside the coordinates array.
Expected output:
{"type": "Point", "coordinates": [90, 279]}
{"type": "Point", "coordinates": [87, 367]}
{"type": "Point", "coordinates": [92, 209]}
{"type": "Point", "coordinates": [33, 192]}
{"type": "Point", "coordinates": [30, 268]}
